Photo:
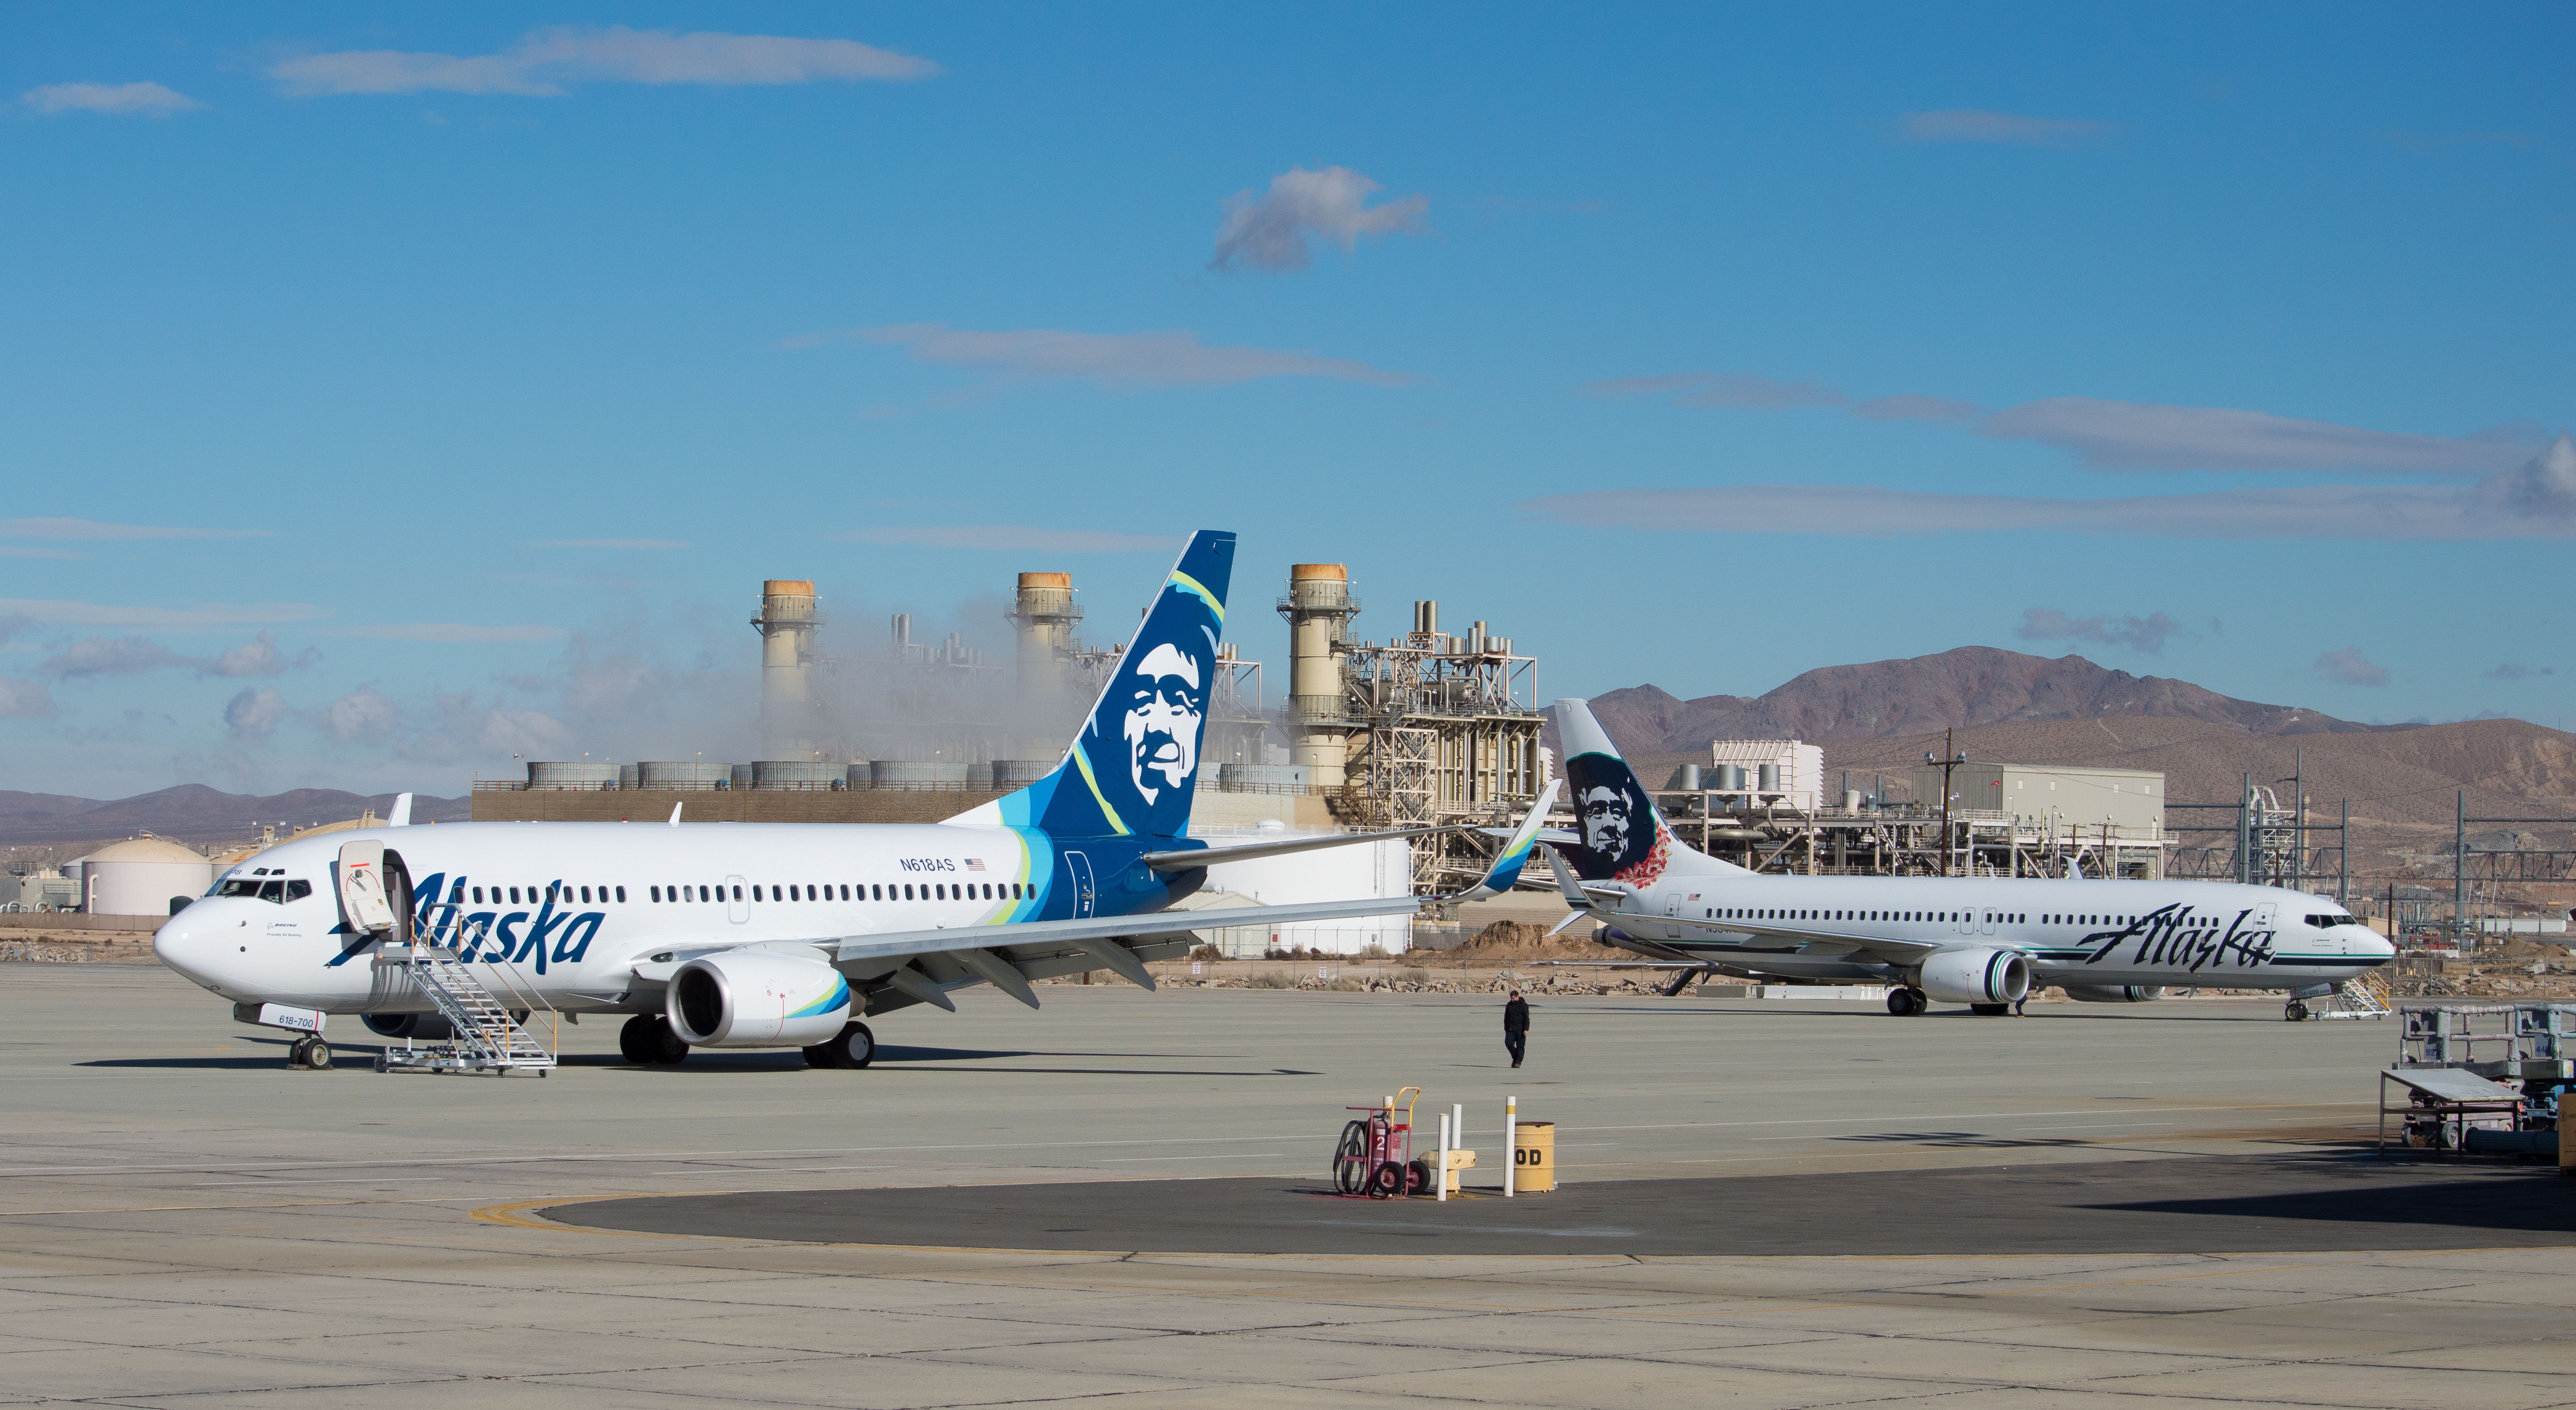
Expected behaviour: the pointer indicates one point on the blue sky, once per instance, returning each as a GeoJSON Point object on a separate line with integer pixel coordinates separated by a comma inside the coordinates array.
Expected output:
{"type": "Point", "coordinates": [387, 392]}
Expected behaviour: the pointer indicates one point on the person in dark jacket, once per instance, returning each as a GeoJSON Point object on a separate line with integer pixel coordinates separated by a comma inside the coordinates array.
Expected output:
{"type": "Point", "coordinates": [1516, 1027]}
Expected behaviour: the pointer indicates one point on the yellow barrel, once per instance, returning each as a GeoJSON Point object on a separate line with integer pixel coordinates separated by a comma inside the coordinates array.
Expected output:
{"type": "Point", "coordinates": [1534, 1158]}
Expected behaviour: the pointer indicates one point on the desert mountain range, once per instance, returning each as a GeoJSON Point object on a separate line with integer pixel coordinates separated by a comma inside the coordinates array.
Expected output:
{"type": "Point", "coordinates": [1879, 719]}
{"type": "Point", "coordinates": [193, 812]}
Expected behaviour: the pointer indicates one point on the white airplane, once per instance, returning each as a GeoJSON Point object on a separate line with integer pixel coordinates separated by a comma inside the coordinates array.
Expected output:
{"type": "Point", "coordinates": [1982, 941]}
{"type": "Point", "coordinates": [776, 936]}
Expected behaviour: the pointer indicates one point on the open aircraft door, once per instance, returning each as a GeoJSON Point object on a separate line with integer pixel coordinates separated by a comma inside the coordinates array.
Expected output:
{"type": "Point", "coordinates": [363, 904]}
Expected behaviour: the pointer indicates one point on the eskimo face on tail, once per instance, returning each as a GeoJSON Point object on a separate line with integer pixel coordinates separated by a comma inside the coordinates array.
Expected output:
{"type": "Point", "coordinates": [1166, 707]}
{"type": "Point", "coordinates": [1623, 837]}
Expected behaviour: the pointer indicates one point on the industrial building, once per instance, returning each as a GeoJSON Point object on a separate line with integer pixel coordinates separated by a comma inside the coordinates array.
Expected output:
{"type": "Point", "coordinates": [1426, 727]}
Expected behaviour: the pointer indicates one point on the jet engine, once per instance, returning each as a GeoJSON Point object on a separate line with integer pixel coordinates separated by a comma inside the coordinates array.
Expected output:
{"type": "Point", "coordinates": [758, 999]}
{"type": "Point", "coordinates": [428, 1027]}
{"type": "Point", "coordinates": [1976, 976]}
{"type": "Point", "coordinates": [2114, 993]}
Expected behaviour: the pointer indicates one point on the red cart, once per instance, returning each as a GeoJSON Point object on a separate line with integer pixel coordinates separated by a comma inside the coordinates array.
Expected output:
{"type": "Point", "coordinates": [1375, 1156]}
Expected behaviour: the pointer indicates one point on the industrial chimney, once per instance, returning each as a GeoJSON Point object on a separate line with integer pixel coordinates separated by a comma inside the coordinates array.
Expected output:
{"type": "Point", "coordinates": [1318, 608]}
{"type": "Point", "coordinates": [1045, 616]}
{"type": "Point", "coordinates": [786, 624]}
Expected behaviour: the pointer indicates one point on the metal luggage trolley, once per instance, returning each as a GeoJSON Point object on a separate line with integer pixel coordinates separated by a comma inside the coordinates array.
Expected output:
{"type": "Point", "coordinates": [1374, 1158]}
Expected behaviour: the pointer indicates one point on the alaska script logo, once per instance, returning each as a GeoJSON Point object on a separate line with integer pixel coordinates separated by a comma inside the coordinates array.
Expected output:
{"type": "Point", "coordinates": [493, 937]}
{"type": "Point", "coordinates": [2176, 935]}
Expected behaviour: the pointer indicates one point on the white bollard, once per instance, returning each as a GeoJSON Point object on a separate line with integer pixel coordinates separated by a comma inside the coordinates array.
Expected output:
{"type": "Point", "coordinates": [1511, 1140]}
{"type": "Point", "coordinates": [1440, 1174]}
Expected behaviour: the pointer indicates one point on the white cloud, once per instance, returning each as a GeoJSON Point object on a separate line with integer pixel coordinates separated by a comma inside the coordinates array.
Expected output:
{"type": "Point", "coordinates": [452, 632]}
{"type": "Point", "coordinates": [1015, 539]}
{"type": "Point", "coordinates": [364, 716]}
{"type": "Point", "coordinates": [120, 656]}
{"type": "Point", "coordinates": [611, 543]}
{"type": "Point", "coordinates": [254, 715]}
{"type": "Point", "coordinates": [2350, 667]}
{"type": "Point", "coordinates": [91, 529]}
{"type": "Point", "coordinates": [123, 99]}
{"type": "Point", "coordinates": [2148, 634]}
{"type": "Point", "coordinates": [1270, 231]}
{"type": "Point", "coordinates": [2544, 488]}
{"type": "Point", "coordinates": [203, 614]}
{"type": "Point", "coordinates": [2386, 512]}
{"type": "Point", "coordinates": [2122, 435]}
{"type": "Point", "coordinates": [2006, 129]}
{"type": "Point", "coordinates": [544, 61]}
{"type": "Point", "coordinates": [1171, 357]}
{"type": "Point", "coordinates": [24, 699]}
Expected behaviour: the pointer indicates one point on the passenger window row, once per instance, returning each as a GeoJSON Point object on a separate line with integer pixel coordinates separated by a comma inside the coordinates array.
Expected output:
{"type": "Point", "coordinates": [561, 892]}
{"type": "Point", "coordinates": [862, 891]}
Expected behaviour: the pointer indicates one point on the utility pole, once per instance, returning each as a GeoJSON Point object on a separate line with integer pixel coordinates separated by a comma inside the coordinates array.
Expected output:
{"type": "Point", "coordinates": [2343, 859]}
{"type": "Point", "coordinates": [2460, 872]}
{"type": "Point", "coordinates": [1951, 759]}
{"type": "Point", "coordinates": [2245, 834]}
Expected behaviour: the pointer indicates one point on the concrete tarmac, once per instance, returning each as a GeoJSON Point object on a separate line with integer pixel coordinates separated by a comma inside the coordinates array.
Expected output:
{"type": "Point", "coordinates": [188, 1223]}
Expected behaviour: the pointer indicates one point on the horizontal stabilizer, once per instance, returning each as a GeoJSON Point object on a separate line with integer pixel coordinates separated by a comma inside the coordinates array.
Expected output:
{"type": "Point", "coordinates": [1191, 859]}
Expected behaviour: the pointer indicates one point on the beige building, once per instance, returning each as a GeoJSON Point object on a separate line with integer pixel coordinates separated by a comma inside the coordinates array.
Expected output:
{"type": "Point", "coordinates": [2055, 798]}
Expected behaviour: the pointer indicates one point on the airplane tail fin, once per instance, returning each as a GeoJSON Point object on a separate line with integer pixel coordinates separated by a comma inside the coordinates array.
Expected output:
{"type": "Point", "coordinates": [1131, 770]}
{"type": "Point", "coordinates": [1624, 836]}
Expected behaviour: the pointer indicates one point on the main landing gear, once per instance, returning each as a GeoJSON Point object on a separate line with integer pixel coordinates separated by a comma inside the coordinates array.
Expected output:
{"type": "Point", "coordinates": [309, 1053]}
{"type": "Point", "coordinates": [856, 1047]}
{"type": "Point", "coordinates": [647, 1041]}
{"type": "Point", "coordinates": [1907, 1002]}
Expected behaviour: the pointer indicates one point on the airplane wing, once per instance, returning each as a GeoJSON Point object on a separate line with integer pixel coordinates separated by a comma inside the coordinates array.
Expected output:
{"type": "Point", "coordinates": [1193, 858]}
{"type": "Point", "coordinates": [1079, 935]}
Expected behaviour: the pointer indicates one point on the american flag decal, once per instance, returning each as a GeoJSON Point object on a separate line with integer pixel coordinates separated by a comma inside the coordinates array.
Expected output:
{"type": "Point", "coordinates": [974, 864]}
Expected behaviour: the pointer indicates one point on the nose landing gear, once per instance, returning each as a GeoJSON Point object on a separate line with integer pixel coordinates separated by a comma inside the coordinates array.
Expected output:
{"type": "Point", "coordinates": [309, 1054]}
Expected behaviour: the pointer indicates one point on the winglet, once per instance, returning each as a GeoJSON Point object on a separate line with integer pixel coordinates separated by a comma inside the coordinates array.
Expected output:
{"type": "Point", "coordinates": [401, 814]}
{"type": "Point", "coordinates": [675, 811]}
{"type": "Point", "coordinates": [1506, 870]}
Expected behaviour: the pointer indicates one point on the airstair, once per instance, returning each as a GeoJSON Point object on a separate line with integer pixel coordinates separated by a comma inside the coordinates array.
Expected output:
{"type": "Point", "coordinates": [2365, 996]}
{"type": "Point", "coordinates": [483, 1035]}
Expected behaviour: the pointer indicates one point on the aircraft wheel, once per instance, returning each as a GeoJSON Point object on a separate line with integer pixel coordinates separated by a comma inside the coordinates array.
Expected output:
{"type": "Point", "coordinates": [2294, 1011]}
{"type": "Point", "coordinates": [295, 1052]}
{"type": "Point", "coordinates": [856, 1047]}
{"type": "Point", "coordinates": [317, 1055]}
{"type": "Point", "coordinates": [823, 1055]}
{"type": "Point", "coordinates": [635, 1041]}
{"type": "Point", "coordinates": [1899, 1002]}
{"type": "Point", "coordinates": [669, 1049]}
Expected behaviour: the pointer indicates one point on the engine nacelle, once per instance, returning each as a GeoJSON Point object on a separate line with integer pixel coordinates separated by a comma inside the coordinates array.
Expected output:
{"type": "Point", "coordinates": [1977, 976]}
{"type": "Point", "coordinates": [427, 1027]}
{"type": "Point", "coordinates": [2114, 993]}
{"type": "Point", "coordinates": [758, 999]}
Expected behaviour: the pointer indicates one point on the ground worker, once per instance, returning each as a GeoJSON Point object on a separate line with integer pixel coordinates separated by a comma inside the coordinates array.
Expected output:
{"type": "Point", "coordinates": [1516, 1027]}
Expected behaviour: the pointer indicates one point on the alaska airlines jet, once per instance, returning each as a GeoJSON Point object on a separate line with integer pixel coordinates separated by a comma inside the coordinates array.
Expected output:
{"type": "Point", "coordinates": [776, 936]}
{"type": "Point", "coordinates": [1981, 941]}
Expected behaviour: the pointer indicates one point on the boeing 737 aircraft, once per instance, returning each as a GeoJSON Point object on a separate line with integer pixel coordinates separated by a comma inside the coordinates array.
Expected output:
{"type": "Point", "coordinates": [1985, 942]}
{"type": "Point", "coordinates": [777, 936]}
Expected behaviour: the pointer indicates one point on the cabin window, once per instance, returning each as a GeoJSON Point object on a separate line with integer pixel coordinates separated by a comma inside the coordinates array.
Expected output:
{"type": "Point", "coordinates": [514, 895]}
{"type": "Point", "coordinates": [585, 895]}
{"type": "Point", "coordinates": [621, 895]}
{"type": "Point", "coordinates": [654, 891]}
{"type": "Point", "coordinates": [737, 893]}
{"type": "Point", "coordinates": [907, 891]}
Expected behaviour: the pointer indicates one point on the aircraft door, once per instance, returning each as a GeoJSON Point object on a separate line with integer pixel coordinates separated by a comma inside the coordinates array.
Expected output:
{"type": "Point", "coordinates": [737, 900]}
{"type": "Point", "coordinates": [1077, 867]}
{"type": "Point", "coordinates": [2263, 915]}
{"type": "Point", "coordinates": [1985, 922]}
{"type": "Point", "coordinates": [364, 907]}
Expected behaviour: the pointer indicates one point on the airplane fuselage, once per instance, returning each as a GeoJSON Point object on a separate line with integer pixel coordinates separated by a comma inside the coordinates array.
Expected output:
{"type": "Point", "coordinates": [573, 914]}
{"type": "Point", "coordinates": [2084, 932]}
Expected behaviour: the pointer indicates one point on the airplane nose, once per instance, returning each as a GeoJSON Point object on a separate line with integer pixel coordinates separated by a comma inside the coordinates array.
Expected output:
{"type": "Point", "coordinates": [189, 943]}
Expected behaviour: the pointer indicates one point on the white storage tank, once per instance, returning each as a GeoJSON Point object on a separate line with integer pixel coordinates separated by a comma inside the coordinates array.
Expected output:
{"type": "Point", "coordinates": [145, 877]}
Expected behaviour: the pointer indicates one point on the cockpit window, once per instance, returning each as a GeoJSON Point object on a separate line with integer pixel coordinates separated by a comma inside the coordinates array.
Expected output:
{"type": "Point", "coordinates": [253, 888]}
{"type": "Point", "coordinates": [2329, 922]}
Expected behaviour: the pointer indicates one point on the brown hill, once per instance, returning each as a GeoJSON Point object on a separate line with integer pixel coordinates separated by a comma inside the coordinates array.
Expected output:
{"type": "Point", "coordinates": [196, 812]}
{"type": "Point", "coordinates": [1973, 685]}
